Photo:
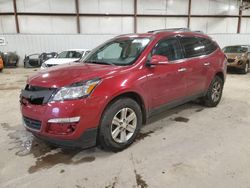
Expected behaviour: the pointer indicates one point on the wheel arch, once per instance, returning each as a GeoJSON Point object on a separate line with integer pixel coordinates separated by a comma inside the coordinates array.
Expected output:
{"type": "Point", "coordinates": [221, 75]}
{"type": "Point", "coordinates": [133, 95]}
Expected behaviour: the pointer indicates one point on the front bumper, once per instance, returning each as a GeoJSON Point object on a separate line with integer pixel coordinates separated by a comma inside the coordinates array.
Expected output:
{"type": "Point", "coordinates": [85, 132]}
{"type": "Point", "coordinates": [237, 64]}
{"type": "Point", "coordinates": [86, 140]}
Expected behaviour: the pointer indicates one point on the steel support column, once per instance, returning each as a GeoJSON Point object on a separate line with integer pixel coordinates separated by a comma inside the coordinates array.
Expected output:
{"type": "Point", "coordinates": [16, 17]}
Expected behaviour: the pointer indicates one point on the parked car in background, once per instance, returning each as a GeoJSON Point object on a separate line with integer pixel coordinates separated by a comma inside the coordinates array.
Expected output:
{"type": "Point", "coordinates": [1, 64]}
{"type": "Point", "coordinates": [238, 57]}
{"type": "Point", "coordinates": [121, 83]}
{"type": "Point", "coordinates": [67, 56]}
{"type": "Point", "coordinates": [36, 60]}
{"type": "Point", "coordinates": [10, 59]}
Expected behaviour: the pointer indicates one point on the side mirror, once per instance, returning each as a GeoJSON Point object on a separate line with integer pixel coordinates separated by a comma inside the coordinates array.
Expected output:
{"type": "Point", "coordinates": [159, 60]}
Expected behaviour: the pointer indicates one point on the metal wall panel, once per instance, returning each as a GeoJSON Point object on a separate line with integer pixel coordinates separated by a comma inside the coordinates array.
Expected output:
{"type": "Point", "coordinates": [47, 24]}
{"type": "Point", "coordinates": [217, 7]}
{"type": "Point", "coordinates": [6, 6]}
{"type": "Point", "coordinates": [167, 7]}
{"type": "Point", "coordinates": [49, 6]}
{"type": "Point", "coordinates": [214, 25]}
{"type": "Point", "coordinates": [245, 26]}
{"type": "Point", "coordinates": [7, 24]}
{"type": "Point", "coordinates": [27, 44]}
{"type": "Point", "coordinates": [147, 24]}
{"type": "Point", "coordinates": [106, 6]}
{"type": "Point", "coordinates": [106, 25]}
{"type": "Point", "coordinates": [231, 39]}
{"type": "Point", "coordinates": [246, 12]}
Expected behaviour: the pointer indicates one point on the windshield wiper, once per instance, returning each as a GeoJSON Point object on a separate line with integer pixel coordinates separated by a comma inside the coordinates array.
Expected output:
{"type": "Point", "coordinates": [100, 62]}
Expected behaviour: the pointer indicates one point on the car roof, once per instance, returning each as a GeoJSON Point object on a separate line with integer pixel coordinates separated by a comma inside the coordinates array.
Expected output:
{"type": "Point", "coordinates": [238, 46]}
{"type": "Point", "coordinates": [166, 32]}
{"type": "Point", "coordinates": [78, 50]}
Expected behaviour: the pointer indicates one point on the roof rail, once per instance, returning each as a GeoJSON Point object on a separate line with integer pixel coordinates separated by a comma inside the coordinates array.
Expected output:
{"type": "Point", "coordinates": [169, 30]}
{"type": "Point", "coordinates": [201, 32]}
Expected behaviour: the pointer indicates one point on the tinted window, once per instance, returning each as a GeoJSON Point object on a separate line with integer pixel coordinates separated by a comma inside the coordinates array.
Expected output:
{"type": "Point", "coordinates": [210, 45]}
{"type": "Point", "coordinates": [169, 48]}
{"type": "Point", "coordinates": [235, 49]}
{"type": "Point", "coordinates": [192, 46]}
{"type": "Point", "coordinates": [34, 56]}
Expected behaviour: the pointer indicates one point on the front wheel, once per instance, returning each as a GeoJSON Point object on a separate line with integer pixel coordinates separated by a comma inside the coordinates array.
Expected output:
{"type": "Point", "coordinates": [214, 92]}
{"type": "Point", "coordinates": [120, 124]}
{"type": "Point", "coordinates": [246, 68]}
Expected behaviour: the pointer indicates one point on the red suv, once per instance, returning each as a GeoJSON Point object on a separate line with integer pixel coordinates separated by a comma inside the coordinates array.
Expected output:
{"type": "Point", "coordinates": [107, 96]}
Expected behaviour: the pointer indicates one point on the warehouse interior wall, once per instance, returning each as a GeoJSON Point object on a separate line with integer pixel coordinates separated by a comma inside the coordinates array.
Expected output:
{"type": "Point", "coordinates": [36, 43]}
{"type": "Point", "coordinates": [44, 32]}
{"type": "Point", "coordinates": [219, 16]}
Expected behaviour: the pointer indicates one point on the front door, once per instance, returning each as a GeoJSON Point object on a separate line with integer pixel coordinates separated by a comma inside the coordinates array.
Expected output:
{"type": "Point", "coordinates": [167, 83]}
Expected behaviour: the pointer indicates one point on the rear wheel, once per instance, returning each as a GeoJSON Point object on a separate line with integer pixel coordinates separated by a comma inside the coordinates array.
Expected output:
{"type": "Point", "coordinates": [214, 92]}
{"type": "Point", "coordinates": [120, 124]}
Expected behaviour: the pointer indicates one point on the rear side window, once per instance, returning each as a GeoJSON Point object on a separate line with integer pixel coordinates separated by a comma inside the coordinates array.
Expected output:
{"type": "Point", "coordinates": [192, 46]}
{"type": "Point", "coordinates": [169, 48]}
{"type": "Point", "coordinates": [210, 45]}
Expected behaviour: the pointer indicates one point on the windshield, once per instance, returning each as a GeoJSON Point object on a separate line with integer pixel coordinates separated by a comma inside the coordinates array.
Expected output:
{"type": "Point", "coordinates": [34, 56]}
{"type": "Point", "coordinates": [123, 51]}
{"type": "Point", "coordinates": [235, 49]}
{"type": "Point", "coordinates": [70, 54]}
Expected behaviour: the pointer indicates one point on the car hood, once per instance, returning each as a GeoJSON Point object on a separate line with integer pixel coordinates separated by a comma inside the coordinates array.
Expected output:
{"type": "Point", "coordinates": [233, 55]}
{"type": "Point", "coordinates": [65, 75]}
{"type": "Point", "coordinates": [60, 61]}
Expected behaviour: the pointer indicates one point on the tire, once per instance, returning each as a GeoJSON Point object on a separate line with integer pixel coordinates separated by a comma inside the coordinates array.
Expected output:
{"type": "Point", "coordinates": [246, 68]}
{"type": "Point", "coordinates": [214, 92]}
{"type": "Point", "coordinates": [124, 130]}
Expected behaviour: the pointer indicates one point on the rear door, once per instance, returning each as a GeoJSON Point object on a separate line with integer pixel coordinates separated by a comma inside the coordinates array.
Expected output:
{"type": "Point", "coordinates": [196, 60]}
{"type": "Point", "coordinates": [167, 83]}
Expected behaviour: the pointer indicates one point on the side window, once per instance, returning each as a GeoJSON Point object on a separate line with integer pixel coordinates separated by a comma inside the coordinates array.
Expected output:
{"type": "Point", "coordinates": [210, 45]}
{"type": "Point", "coordinates": [192, 46]}
{"type": "Point", "coordinates": [169, 48]}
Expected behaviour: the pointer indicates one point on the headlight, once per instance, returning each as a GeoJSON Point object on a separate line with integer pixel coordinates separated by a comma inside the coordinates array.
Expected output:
{"type": "Point", "coordinates": [76, 91]}
{"type": "Point", "coordinates": [240, 56]}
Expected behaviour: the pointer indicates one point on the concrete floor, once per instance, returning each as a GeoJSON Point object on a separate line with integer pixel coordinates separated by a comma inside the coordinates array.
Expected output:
{"type": "Point", "coordinates": [189, 146]}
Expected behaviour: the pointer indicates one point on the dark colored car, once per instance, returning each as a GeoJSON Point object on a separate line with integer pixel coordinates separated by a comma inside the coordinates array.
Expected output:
{"type": "Point", "coordinates": [10, 59]}
{"type": "Point", "coordinates": [36, 60]}
{"type": "Point", "coordinates": [238, 57]}
{"type": "Point", "coordinates": [120, 84]}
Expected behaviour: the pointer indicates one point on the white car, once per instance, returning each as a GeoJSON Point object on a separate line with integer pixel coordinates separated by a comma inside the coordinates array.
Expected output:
{"type": "Point", "coordinates": [65, 57]}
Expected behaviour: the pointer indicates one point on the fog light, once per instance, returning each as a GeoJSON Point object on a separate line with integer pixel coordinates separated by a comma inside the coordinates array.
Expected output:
{"type": "Point", "coordinates": [65, 120]}
{"type": "Point", "coordinates": [240, 63]}
{"type": "Point", "coordinates": [62, 126]}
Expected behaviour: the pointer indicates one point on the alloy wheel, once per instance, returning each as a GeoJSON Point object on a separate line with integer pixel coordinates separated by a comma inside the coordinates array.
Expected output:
{"type": "Point", "coordinates": [246, 68]}
{"type": "Point", "coordinates": [123, 125]}
{"type": "Point", "coordinates": [216, 91]}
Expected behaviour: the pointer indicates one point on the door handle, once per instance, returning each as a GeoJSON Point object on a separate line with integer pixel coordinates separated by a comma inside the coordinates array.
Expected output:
{"type": "Point", "coordinates": [182, 70]}
{"type": "Point", "coordinates": [206, 64]}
